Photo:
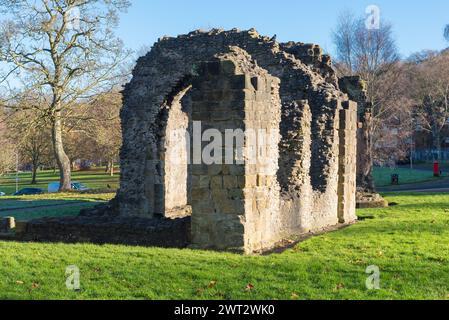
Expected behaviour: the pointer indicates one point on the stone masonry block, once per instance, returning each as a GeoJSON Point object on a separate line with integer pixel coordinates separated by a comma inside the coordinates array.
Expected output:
{"type": "Point", "coordinates": [216, 182]}
{"type": "Point", "coordinates": [228, 67]}
{"type": "Point", "coordinates": [204, 181]}
{"type": "Point", "coordinates": [230, 182]}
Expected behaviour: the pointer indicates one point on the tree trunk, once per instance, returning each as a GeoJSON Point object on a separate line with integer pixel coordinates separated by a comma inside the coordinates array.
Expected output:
{"type": "Point", "coordinates": [107, 167]}
{"type": "Point", "coordinates": [62, 159]}
{"type": "Point", "coordinates": [365, 180]}
{"type": "Point", "coordinates": [34, 174]}
{"type": "Point", "coordinates": [437, 143]}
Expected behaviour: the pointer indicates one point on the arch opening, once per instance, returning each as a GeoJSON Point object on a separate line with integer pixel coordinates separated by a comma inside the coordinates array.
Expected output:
{"type": "Point", "coordinates": [168, 170]}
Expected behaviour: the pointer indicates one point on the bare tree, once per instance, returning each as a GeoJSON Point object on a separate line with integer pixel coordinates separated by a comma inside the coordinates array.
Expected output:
{"type": "Point", "coordinates": [106, 129]}
{"type": "Point", "coordinates": [7, 156]}
{"type": "Point", "coordinates": [421, 56]}
{"type": "Point", "coordinates": [100, 132]}
{"type": "Point", "coordinates": [344, 40]}
{"type": "Point", "coordinates": [31, 138]}
{"type": "Point", "coordinates": [8, 150]}
{"type": "Point", "coordinates": [371, 54]}
{"type": "Point", "coordinates": [64, 49]}
{"type": "Point", "coordinates": [430, 91]}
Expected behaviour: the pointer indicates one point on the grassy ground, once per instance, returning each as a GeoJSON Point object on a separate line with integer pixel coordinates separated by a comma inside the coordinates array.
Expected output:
{"type": "Point", "coordinates": [382, 176]}
{"type": "Point", "coordinates": [49, 205]}
{"type": "Point", "coordinates": [52, 205]}
{"type": "Point", "coordinates": [94, 179]}
{"type": "Point", "coordinates": [409, 242]}
{"type": "Point", "coordinates": [97, 179]}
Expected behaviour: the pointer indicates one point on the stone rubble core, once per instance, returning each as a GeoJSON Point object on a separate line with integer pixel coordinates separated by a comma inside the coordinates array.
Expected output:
{"type": "Point", "coordinates": [236, 80]}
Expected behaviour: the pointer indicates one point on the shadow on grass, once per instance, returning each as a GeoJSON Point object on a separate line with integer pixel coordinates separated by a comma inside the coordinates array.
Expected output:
{"type": "Point", "coordinates": [25, 210]}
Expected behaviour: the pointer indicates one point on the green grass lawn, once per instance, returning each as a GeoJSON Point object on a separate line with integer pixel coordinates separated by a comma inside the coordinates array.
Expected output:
{"type": "Point", "coordinates": [409, 242]}
{"type": "Point", "coordinates": [49, 205]}
{"type": "Point", "coordinates": [97, 179]}
{"type": "Point", "coordinates": [57, 204]}
{"type": "Point", "coordinates": [382, 176]}
{"type": "Point", "coordinates": [94, 179]}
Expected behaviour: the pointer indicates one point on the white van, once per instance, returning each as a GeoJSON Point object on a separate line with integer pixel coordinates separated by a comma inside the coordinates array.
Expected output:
{"type": "Point", "coordinates": [77, 186]}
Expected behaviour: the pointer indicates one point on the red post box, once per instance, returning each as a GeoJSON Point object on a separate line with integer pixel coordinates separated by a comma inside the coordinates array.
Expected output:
{"type": "Point", "coordinates": [436, 169]}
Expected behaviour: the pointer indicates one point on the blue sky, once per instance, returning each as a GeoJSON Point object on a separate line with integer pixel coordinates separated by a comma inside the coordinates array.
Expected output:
{"type": "Point", "coordinates": [417, 25]}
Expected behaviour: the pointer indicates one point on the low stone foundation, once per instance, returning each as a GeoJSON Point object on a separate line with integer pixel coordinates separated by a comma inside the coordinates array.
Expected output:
{"type": "Point", "coordinates": [166, 233]}
{"type": "Point", "coordinates": [103, 229]}
{"type": "Point", "coordinates": [366, 200]}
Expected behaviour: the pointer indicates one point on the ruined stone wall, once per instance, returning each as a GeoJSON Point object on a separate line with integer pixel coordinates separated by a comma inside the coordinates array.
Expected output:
{"type": "Point", "coordinates": [300, 194]}
{"type": "Point", "coordinates": [347, 163]}
{"type": "Point", "coordinates": [296, 207]}
{"type": "Point", "coordinates": [104, 230]}
{"type": "Point", "coordinates": [356, 89]}
{"type": "Point", "coordinates": [235, 204]}
{"type": "Point", "coordinates": [312, 55]}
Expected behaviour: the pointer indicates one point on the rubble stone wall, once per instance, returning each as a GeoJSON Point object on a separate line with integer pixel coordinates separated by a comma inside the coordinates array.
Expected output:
{"type": "Point", "coordinates": [238, 80]}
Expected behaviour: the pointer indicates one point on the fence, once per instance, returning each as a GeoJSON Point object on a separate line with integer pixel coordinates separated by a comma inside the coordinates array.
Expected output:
{"type": "Point", "coordinates": [430, 155]}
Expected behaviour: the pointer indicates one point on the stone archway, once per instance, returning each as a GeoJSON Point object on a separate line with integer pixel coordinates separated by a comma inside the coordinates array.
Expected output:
{"type": "Point", "coordinates": [228, 199]}
{"type": "Point", "coordinates": [227, 80]}
{"type": "Point", "coordinates": [312, 166]}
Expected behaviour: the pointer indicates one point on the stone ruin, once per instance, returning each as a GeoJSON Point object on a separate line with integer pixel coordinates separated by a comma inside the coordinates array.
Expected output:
{"type": "Point", "coordinates": [367, 197]}
{"type": "Point", "coordinates": [236, 80]}
{"type": "Point", "coordinates": [233, 80]}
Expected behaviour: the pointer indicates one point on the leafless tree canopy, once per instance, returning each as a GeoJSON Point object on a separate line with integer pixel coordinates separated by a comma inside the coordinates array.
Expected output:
{"type": "Point", "coordinates": [32, 139]}
{"type": "Point", "coordinates": [8, 150]}
{"type": "Point", "coordinates": [64, 52]}
{"type": "Point", "coordinates": [363, 51]}
{"type": "Point", "coordinates": [372, 54]}
{"type": "Point", "coordinates": [429, 90]}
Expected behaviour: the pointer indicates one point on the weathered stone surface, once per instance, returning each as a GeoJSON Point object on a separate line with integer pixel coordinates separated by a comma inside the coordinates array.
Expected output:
{"type": "Point", "coordinates": [347, 166]}
{"type": "Point", "coordinates": [356, 89]}
{"type": "Point", "coordinates": [369, 200]}
{"type": "Point", "coordinates": [232, 80]}
{"type": "Point", "coordinates": [109, 230]}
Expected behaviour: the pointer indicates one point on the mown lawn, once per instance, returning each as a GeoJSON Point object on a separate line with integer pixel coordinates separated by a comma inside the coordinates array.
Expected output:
{"type": "Point", "coordinates": [409, 242]}
{"type": "Point", "coordinates": [56, 204]}
{"type": "Point", "coordinates": [382, 176]}
{"type": "Point", "coordinates": [25, 208]}
{"type": "Point", "coordinates": [94, 179]}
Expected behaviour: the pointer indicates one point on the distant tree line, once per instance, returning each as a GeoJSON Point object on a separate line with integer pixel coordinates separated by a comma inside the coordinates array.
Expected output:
{"type": "Point", "coordinates": [62, 67]}
{"type": "Point", "coordinates": [405, 94]}
{"type": "Point", "coordinates": [92, 136]}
